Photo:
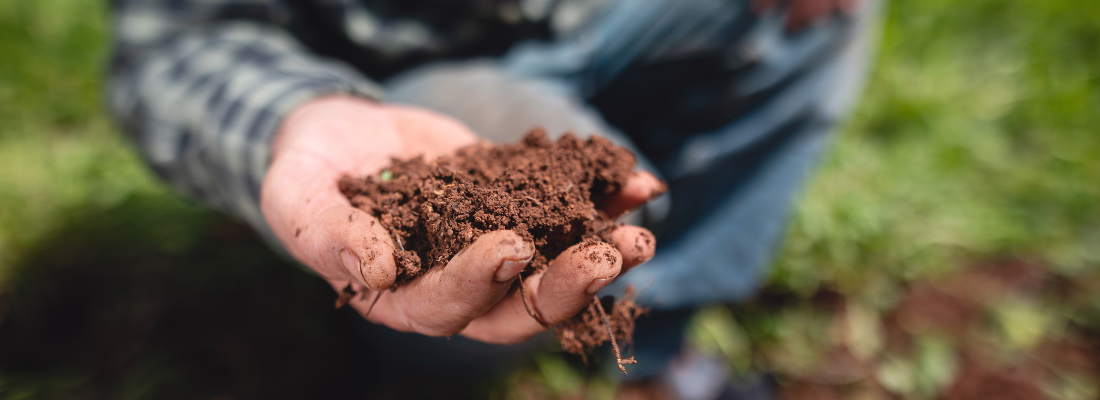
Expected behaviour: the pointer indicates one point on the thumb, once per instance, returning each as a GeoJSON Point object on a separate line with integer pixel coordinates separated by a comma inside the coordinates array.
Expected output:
{"type": "Point", "coordinates": [304, 207]}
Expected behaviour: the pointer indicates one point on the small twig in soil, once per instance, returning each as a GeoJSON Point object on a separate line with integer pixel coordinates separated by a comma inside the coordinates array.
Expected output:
{"type": "Point", "coordinates": [379, 296]}
{"type": "Point", "coordinates": [523, 295]}
{"type": "Point", "coordinates": [615, 346]}
{"type": "Point", "coordinates": [534, 200]}
{"type": "Point", "coordinates": [346, 295]}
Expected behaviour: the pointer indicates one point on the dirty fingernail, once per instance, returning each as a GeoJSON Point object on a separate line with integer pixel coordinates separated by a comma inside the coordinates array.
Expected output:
{"type": "Point", "coordinates": [598, 284]}
{"type": "Point", "coordinates": [509, 269]}
{"type": "Point", "coordinates": [351, 262]}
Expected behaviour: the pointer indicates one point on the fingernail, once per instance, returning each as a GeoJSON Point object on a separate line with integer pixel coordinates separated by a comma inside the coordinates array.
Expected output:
{"type": "Point", "coordinates": [351, 262]}
{"type": "Point", "coordinates": [509, 269]}
{"type": "Point", "coordinates": [598, 284]}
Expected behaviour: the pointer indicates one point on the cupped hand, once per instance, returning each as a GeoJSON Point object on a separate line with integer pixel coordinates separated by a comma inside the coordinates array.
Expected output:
{"type": "Point", "coordinates": [474, 295]}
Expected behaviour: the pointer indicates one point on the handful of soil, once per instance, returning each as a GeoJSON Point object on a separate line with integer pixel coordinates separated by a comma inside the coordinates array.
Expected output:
{"type": "Point", "coordinates": [545, 191]}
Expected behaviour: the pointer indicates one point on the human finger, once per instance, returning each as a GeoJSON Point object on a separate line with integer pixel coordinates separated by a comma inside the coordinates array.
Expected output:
{"type": "Point", "coordinates": [803, 13]}
{"type": "Point", "coordinates": [635, 244]}
{"type": "Point", "coordinates": [318, 226]}
{"type": "Point", "coordinates": [444, 300]}
{"type": "Point", "coordinates": [566, 286]}
{"type": "Point", "coordinates": [638, 189]}
{"type": "Point", "coordinates": [848, 6]}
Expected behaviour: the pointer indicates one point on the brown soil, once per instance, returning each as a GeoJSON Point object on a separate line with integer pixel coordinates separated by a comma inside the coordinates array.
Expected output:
{"type": "Point", "coordinates": [589, 329]}
{"type": "Point", "coordinates": [957, 308]}
{"type": "Point", "coordinates": [547, 192]}
{"type": "Point", "coordinates": [976, 380]}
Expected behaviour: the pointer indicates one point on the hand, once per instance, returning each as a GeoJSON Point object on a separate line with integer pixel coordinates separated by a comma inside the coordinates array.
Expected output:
{"type": "Point", "coordinates": [806, 12]}
{"type": "Point", "coordinates": [327, 138]}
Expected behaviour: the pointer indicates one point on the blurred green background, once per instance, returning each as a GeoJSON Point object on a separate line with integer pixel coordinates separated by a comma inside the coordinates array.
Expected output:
{"type": "Point", "coordinates": [948, 247]}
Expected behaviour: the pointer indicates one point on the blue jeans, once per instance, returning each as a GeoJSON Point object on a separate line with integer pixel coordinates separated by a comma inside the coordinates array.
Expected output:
{"type": "Point", "coordinates": [725, 105]}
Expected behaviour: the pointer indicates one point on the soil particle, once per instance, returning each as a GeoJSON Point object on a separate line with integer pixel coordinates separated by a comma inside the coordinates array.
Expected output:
{"type": "Point", "coordinates": [345, 296]}
{"type": "Point", "coordinates": [588, 330]}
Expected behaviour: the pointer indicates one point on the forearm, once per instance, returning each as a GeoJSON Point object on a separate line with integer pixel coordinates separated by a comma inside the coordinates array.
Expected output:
{"type": "Point", "coordinates": [203, 97]}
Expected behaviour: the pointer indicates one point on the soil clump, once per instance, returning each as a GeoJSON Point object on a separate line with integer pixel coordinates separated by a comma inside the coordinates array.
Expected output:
{"type": "Point", "coordinates": [548, 192]}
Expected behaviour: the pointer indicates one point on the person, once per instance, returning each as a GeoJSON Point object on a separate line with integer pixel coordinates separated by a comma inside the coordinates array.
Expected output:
{"type": "Point", "coordinates": [257, 107]}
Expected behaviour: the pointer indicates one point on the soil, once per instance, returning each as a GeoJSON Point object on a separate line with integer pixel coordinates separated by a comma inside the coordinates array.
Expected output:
{"type": "Point", "coordinates": [957, 308]}
{"type": "Point", "coordinates": [548, 192]}
{"type": "Point", "coordinates": [580, 334]}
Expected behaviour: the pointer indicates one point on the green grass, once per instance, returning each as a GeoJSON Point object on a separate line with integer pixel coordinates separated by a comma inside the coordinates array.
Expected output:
{"type": "Point", "coordinates": [977, 138]}
{"type": "Point", "coordinates": [59, 152]}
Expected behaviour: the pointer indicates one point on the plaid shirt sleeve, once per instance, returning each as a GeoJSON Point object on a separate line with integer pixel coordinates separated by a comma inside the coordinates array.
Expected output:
{"type": "Point", "coordinates": [202, 85]}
